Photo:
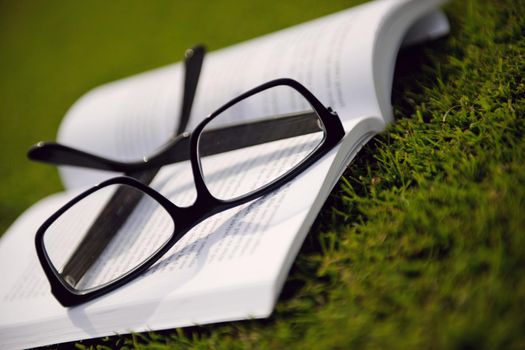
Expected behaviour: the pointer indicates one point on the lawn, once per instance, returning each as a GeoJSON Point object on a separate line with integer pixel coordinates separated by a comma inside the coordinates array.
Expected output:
{"type": "Point", "coordinates": [420, 245]}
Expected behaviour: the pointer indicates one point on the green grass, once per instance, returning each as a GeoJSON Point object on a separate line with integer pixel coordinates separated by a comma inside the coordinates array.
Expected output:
{"type": "Point", "coordinates": [421, 244]}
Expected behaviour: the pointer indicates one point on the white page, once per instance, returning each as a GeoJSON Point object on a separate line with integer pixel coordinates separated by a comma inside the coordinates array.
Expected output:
{"type": "Point", "coordinates": [331, 56]}
{"type": "Point", "coordinates": [223, 269]}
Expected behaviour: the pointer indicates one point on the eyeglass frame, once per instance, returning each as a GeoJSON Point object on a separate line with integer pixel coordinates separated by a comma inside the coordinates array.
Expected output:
{"type": "Point", "coordinates": [205, 204]}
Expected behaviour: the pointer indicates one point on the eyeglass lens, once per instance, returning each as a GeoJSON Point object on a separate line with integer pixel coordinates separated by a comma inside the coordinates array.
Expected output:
{"type": "Point", "coordinates": [92, 244]}
{"type": "Point", "coordinates": [265, 151]}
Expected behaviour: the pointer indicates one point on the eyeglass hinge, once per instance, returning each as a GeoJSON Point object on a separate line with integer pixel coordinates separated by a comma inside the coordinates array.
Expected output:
{"type": "Point", "coordinates": [332, 112]}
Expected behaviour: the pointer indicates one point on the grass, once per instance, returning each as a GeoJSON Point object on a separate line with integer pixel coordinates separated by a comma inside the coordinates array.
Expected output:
{"type": "Point", "coordinates": [421, 244]}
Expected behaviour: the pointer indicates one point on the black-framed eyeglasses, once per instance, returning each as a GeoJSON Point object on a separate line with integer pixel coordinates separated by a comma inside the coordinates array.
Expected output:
{"type": "Point", "coordinates": [116, 230]}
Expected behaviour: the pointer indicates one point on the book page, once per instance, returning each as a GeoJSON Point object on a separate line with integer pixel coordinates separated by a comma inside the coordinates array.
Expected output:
{"type": "Point", "coordinates": [225, 268]}
{"type": "Point", "coordinates": [340, 58]}
{"type": "Point", "coordinates": [331, 56]}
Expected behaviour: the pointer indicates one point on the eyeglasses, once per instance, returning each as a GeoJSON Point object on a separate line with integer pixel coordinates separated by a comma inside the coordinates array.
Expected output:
{"type": "Point", "coordinates": [116, 230]}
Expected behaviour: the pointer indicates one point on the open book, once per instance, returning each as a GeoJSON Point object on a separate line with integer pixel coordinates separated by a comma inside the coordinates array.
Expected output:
{"type": "Point", "coordinates": [233, 265]}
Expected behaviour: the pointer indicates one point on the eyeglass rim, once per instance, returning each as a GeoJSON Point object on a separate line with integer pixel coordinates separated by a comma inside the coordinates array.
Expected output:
{"type": "Point", "coordinates": [326, 117]}
{"type": "Point", "coordinates": [205, 204]}
{"type": "Point", "coordinates": [63, 292]}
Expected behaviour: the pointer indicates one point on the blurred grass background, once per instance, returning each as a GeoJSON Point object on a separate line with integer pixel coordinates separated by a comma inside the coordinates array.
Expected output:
{"type": "Point", "coordinates": [421, 244]}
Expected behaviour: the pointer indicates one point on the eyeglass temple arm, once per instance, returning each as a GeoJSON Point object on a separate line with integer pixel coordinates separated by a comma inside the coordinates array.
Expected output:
{"type": "Point", "coordinates": [177, 149]}
{"type": "Point", "coordinates": [194, 58]}
{"type": "Point", "coordinates": [55, 153]}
